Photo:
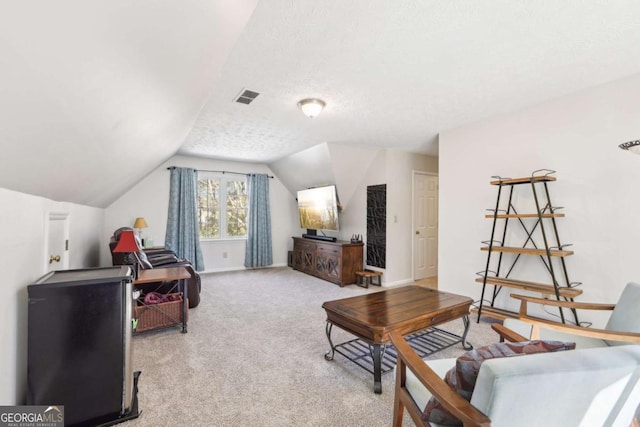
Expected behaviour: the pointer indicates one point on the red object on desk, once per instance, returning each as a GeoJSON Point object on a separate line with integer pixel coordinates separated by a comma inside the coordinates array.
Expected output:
{"type": "Point", "coordinates": [127, 242]}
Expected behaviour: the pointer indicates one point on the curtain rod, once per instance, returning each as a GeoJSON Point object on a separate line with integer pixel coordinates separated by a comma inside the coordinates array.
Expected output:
{"type": "Point", "coordinates": [222, 172]}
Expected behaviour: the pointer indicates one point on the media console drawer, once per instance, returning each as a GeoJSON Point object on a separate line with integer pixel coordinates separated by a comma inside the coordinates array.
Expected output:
{"type": "Point", "coordinates": [322, 247]}
{"type": "Point", "coordinates": [336, 262]}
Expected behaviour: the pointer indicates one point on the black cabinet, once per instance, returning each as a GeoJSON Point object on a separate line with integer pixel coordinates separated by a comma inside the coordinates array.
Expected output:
{"type": "Point", "coordinates": [79, 345]}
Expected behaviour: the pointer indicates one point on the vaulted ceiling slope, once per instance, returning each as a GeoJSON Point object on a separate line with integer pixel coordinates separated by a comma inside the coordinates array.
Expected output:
{"type": "Point", "coordinates": [95, 95]}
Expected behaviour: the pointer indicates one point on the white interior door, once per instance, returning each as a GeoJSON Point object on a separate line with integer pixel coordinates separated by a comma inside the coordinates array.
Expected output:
{"type": "Point", "coordinates": [57, 235]}
{"type": "Point", "coordinates": [425, 222]}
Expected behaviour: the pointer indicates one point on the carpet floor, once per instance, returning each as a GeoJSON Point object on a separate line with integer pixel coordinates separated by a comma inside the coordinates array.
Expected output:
{"type": "Point", "coordinates": [254, 356]}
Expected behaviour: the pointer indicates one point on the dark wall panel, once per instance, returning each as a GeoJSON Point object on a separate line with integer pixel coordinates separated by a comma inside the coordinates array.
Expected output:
{"type": "Point", "coordinates": [377, 225]}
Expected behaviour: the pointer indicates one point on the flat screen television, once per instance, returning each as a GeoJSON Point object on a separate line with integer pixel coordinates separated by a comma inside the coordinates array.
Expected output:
{"type": "Point", "coordinates": [318, 209]}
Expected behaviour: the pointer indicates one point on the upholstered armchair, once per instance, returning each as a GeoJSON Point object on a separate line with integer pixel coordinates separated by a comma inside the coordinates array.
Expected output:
{"type": "Point", "coordinates": [158, 258]}
{"type": "Point", "coordinates": [587, 387]}
{"type": "Point", "coordinates": [595, 384]}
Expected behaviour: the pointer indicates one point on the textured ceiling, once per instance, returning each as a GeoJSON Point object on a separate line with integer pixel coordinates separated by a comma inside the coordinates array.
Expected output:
{"type": "Point", "coordinates": [395, 74]}
{"type": "Point", "coordinates": [95, 95]}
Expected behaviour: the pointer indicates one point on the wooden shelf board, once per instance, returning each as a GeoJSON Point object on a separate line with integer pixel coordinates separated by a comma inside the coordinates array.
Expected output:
{"type": "Point", "coordinates": [547, 215]}
{"type": "Point", "coordinates": [498, 313]}
{"type": "Point", "coordinates": [526, 180]}
{"type": "Point", "coordinates": [531, 286]}
{"type": "Point", "coordinates": [495, 313]}
{"type": "Point", "coordinates": [528, 251]}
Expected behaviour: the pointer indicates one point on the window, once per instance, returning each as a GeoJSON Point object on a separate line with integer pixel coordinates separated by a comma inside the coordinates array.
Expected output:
{"type": "Point", "coordinates": [222, 207]}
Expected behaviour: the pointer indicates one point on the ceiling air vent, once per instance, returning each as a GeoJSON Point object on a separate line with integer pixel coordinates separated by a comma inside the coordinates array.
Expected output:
{"type": "Point", "coordinates": [247, 96]}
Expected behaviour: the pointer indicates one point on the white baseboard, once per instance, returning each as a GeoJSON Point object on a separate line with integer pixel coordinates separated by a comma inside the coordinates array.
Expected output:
{"type": "Point", "coordinates": [397, 283]}
{"type": "Point", "coordinates": [228, 269]}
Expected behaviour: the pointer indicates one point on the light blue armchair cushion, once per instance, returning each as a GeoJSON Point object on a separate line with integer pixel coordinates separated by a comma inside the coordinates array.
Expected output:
{"type": "Point", "coordinates": [626, 316]}
{"type": "Point", "coordinates": [589, 387]}
{"type": "Point", "coordinates": [418, 392]}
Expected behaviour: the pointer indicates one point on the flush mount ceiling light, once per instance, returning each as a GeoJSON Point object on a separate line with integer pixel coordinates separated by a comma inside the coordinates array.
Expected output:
{"type": "Point", "coordinates": [633, 146]}
{"type": "Point", "coordinates": [311, 107]}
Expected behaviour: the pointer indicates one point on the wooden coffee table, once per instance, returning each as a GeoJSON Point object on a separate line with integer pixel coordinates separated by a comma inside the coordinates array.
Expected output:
{"type": "Point", "coordinates": [411, 310]}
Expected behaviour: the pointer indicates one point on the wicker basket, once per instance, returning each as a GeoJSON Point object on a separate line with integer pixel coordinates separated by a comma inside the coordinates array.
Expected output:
{"type": "Point", "coordinates": [158, 315]}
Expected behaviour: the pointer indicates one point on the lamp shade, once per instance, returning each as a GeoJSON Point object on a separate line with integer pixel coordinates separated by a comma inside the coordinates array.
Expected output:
{"type": "Point", "coordinates": [140, 223]}
{"type": "Point", "coordinates": [127, 242]}
{"type": "Point", "coordinates": [311, 107]}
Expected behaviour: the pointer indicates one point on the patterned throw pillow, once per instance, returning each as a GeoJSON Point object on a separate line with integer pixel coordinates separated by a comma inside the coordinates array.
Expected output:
{"type": "Point", "coordinates": [462, 378]}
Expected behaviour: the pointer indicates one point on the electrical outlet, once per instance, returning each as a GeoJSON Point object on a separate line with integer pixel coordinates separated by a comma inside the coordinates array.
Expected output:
{"type": "Point", "coordinates": [224, 254]}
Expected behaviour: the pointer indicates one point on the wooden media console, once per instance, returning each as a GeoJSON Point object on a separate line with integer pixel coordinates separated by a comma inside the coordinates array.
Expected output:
{"type": "Point", "coordinates": [336, 262]}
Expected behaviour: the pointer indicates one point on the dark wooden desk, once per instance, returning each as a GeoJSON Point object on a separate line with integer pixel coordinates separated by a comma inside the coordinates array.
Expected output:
{"type": "Point", "coordinates": [408, 309]}
{"type": "Point", "coordinates": [165, 275]}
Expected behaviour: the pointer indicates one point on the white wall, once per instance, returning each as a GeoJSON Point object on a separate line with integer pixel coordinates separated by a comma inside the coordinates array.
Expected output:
{"type": "Point", "coordinates": [353, 219]}
{"type": "Point", "coordinates": [22, 225]}
{"type": "Point", "coordinates": [150, 198]}
{"type": "Point", "coordinates": [346, 167]}
{"type": "Point", "coordinates": [305, 169]}
{"type": "Point", "coordinates": [349, 166]}
{"type": "Point", "coordinates": [400, 167]}
{"type": "Point", "coordinates": [577, 136]}
{"type": "Point", "coordinates": [352, 169]}
{"type": "Point", "coordinates": [393, 168]}
{"type": "Point", "coordinates": [325, 164]}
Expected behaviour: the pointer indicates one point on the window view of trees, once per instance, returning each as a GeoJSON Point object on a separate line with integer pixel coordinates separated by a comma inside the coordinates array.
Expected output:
{"type": "Point", "coordinates": [222, 208]}
{"type": "Point", "coordinates": [236, 208]}
{"type": "Point", "coordinates": [208, 208]}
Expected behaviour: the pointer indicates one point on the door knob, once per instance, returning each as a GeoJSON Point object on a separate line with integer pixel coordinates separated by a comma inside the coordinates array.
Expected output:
{"type": "Point", "coordinates": [417, 232]}
{"type": "Point", "coordinates": [54, 258]}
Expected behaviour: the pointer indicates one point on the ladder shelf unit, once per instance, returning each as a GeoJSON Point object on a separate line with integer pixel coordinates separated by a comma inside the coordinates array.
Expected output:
{"type": "Point", "coordinates": [542, 240]}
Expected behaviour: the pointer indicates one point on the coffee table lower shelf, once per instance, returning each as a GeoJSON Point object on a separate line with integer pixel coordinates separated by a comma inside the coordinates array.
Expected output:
{"type": "Point", "coordinates": [425, 343]}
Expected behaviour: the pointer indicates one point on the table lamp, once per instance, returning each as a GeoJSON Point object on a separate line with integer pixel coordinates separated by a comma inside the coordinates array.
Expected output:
{"type": "Point", "coordinates": [128, 244]}
{"type": "Point", "coordinates": [139, 224]}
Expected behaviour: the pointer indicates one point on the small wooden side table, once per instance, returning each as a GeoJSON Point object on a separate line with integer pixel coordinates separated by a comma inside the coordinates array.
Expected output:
{"type": "Point", "coordinates": [365, 278]}
{"type": "Point", "coordinates": [164, 275]}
